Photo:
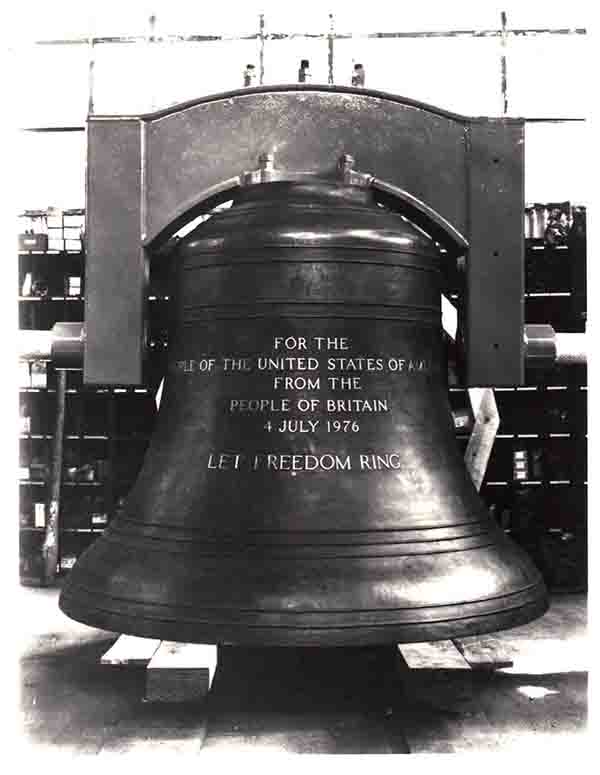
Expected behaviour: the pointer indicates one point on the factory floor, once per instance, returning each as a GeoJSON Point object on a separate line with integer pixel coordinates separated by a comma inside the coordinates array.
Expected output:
{"type": "Point", "coordinates": [344, 701]}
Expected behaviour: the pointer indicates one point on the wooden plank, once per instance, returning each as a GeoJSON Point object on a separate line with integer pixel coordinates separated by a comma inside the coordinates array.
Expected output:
{"type": "Point", "coordinates": [130, 650]}
{"type": "Point", "coordinates": [180, 672]}
{"type": "Point", "coordinates": [439, 654]}
{"type": "Point", "coordinates": [484, 653]}
{"type": "Point", "coordinates": [483, 435]}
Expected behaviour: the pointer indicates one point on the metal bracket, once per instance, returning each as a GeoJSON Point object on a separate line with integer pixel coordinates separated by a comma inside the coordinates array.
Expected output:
{"type": "Point", "coordinates": [418, 211]}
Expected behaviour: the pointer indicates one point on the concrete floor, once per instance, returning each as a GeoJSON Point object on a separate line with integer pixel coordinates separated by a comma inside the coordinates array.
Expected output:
{"type": "Point", "coordinates": [302, 700]}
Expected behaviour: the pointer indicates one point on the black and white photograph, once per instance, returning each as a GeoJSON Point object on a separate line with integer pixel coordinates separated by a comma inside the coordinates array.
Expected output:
{"type": "Point", "coordinates": [296, 378]}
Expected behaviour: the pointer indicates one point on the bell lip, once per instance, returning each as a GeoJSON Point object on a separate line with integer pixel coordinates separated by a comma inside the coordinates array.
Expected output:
{"type": "Point", "coordinates": [459, 624]}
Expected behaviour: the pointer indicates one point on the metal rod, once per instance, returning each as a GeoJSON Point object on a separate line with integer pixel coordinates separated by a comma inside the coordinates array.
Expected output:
{"type": "Point", "coordinates": [151, 38]}
{"type": "Point", "coordinates": [330, 40]}
{"type": "Point", "coordinates": [571, 348]}
{"type": "Point", "coordinates": [62, 344]}
{"type": "Point", "coordinates": [35, 345]}
{"type": "Point", "coordinates": [51, 545]}
{"type": "Point", "coordinates": [261, 55]}
{"type": "Point", "coordinates": [545, 347]}
{"type": "Point", "coordinates": [52, 128]}
{"type": "Point", "coordinates": [91, 66]}
{"type": "Point", "coordinates": [198, 38]}
{"type": "Point", "coordinates": [503, 63]}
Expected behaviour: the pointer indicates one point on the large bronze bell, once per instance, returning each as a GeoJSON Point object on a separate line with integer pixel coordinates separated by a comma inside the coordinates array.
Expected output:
{"type": "Point", "coordinates": [303, 485]}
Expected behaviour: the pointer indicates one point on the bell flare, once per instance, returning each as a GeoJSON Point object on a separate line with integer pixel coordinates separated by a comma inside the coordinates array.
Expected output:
{"type": "Point", "coordinates": [248, 596]}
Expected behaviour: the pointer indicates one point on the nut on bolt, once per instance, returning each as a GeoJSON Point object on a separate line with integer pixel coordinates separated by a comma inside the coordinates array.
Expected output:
{"type": "Point", "coordinates": [266, 166]}
{"type": "Point", "coordinates": [345, 165]}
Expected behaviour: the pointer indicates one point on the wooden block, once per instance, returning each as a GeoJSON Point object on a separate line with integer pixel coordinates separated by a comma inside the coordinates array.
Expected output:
{"type": "Point", "coordinates": [130, 650]}
{"type": "Point", "coordinates": [180, 672]}
{"type": "Point", "coordinates": [484, 653]}
{"type": "Point", "coordinates": [433, 655]}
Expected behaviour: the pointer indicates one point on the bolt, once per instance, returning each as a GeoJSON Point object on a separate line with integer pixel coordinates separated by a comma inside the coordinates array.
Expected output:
{"type": "Point", "coordinates": [265, 160]}
{"type": "Point", "coordinates": [345, 165]}
{"type": "Point", "coordinates": [265, 165]}
{"type": "Point", "coordinates": [346, 161]}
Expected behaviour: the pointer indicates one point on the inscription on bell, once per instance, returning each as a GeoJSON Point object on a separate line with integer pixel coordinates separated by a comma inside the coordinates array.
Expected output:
{"type": "Point", "coordinates": [298, 426]}
{"type": "Point", "coordinates": [319, 342]}
{"type": "Point", "coordinates": [305, 389]}
{"type": "Point", "coordinates": [224, 461]}
{"type": "Point", "coordinates": [241, 405]}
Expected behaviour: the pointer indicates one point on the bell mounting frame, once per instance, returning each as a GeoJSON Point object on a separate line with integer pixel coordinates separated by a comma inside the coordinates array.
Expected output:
{"type": "Point", "coordinates": [147, 175]}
